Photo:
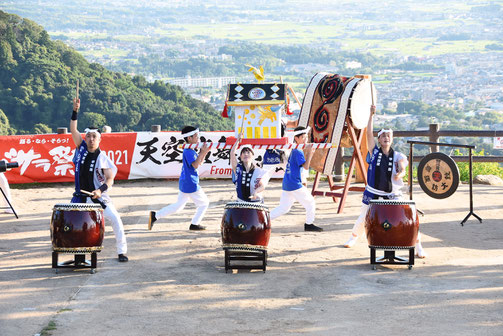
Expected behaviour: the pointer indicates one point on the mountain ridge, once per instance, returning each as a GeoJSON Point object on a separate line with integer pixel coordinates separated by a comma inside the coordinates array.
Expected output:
{"type": "Point", "coordinates": [37, 84]}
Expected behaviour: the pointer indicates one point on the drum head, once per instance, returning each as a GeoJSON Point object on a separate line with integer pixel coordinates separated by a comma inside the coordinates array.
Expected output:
{"type": "Point", "coordinates": [360, 102]}
{"type": "Point", "coordinates": [438, 175]}
{"type": "Point", "coordinates": [246, 205]}
{"type": "Point", "coordinates": [77, 206]}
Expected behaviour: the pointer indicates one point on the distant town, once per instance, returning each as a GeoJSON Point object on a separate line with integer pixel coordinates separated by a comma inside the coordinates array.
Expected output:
{"type": "Point", "coordinates": [447, 53]}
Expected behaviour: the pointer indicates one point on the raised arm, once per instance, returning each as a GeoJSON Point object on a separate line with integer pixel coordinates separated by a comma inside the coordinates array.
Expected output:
{"type": "Point", "coordinates": [234, 161]}
{"type": "Point", "coordinates": [370, 129]}
{"type": "Point", "coordinates": [77, 138]}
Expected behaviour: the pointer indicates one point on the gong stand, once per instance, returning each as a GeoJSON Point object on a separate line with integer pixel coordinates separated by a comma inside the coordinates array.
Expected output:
{"type": "Point", "coordinates": [232, 254]}
{"type": "Point", "coordinates": [470, 160]}
{"type": "Point", "coordinates": [357, 158]}
{"type": "Point", "coordinates": [8, 202]}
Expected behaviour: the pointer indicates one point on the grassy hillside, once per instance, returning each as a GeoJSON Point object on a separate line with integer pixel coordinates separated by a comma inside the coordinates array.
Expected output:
{"type": "Point", "coordinates": [37, 84]}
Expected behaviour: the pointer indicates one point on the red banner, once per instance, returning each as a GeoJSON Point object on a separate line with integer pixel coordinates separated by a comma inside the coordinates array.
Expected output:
{"type": "Point", "coordinates": [48, 157]}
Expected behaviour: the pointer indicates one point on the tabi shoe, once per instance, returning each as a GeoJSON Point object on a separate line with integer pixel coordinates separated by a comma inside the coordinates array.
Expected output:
{"type": "Point", "coordinates": [151, 220]}
{"type": "Point", "coordinates": [351, 242]}
{"type": "Point", "coordinates": [312, 227]}
{"type": "Point", "coordinates": [123, 258]}
{"type": "Point", "coordinates": [420, 252]}
{"type": "Point", "coordinates": [196, 227]}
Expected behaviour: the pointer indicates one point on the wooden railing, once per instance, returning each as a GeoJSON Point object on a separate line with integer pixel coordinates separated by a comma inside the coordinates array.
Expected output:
{"type": "Point", "coordinates": [434, 134]}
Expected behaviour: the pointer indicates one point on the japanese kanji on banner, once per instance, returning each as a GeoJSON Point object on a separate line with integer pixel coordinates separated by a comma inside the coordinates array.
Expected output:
{"type": "Point", "coordinates": [48, 157]}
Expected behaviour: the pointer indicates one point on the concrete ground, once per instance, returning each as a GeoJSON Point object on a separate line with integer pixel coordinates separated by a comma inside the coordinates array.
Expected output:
{"type": "Point", "coordinates": [175, 281]}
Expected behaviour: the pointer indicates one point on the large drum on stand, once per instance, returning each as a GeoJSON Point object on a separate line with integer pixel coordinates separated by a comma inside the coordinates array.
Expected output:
{"type": "Point", "coordinates": [392, 225]}
{"type": "Point", "coordinates": [328, 101]}
{"type": "Point", "coordinates": [246, 229]}
{"type": "Point", "coordinates": [77, 228]}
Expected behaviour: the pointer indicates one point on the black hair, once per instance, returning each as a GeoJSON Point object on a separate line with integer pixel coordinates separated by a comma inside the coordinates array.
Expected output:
{"type": "Point", "coordinates": [187, 129]}
{"type": "Point", "coordinates": [299, 128]}
{"type": "Point", "coordinates": [248, 149]}
{"type": "Point", "coordinates": [283, 129]}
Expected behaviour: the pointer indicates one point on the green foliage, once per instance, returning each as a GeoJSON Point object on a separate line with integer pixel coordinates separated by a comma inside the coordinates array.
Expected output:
{"type": "Point", "coordinates": [91, 119]}
{"type": "Point", "coordinates": [5, 129]}
{"type": "Point", "coordinates": [272, 57]}
{"type": "Point", "coordinates": [38, 78]}
{"type": "Point", "coordinates": [41, 129]}
{"type": "Point", "coordinates": [478, 168]}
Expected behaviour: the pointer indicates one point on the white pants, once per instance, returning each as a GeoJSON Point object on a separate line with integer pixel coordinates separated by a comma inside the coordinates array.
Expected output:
{"type": "Point", "coordinates": [359, 226]}
{"type": "Point", "coordinates": [198, 197]}
{"type": "Point", "coordinates": [4, 184]}
{"type": "Point", "coordinates": [120, 236]}
{"type": "Point", "coordinates": [301, 195]}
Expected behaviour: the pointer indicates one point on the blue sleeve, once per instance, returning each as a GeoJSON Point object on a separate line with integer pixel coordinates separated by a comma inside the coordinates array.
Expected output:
{"type": "Point", "coordinates": [234, 175]}
{"type": "Point", "coordinates": [190, 156]}
{"type": "Point", "coordinates": [299, 158]}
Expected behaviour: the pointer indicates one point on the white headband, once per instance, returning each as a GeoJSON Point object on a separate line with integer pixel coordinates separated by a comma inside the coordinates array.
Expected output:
{"type": "Point", "coordinates": [385, 131]}
{"type": "Point", "coordinates": [191, 133]}
{"type": "Point", "coordinates": [93, 130]}
{"type": "Point", "coordinates": [304, 131]}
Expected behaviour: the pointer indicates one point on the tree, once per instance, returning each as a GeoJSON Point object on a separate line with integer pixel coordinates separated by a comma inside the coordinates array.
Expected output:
{"type": "Point", "coordinates": [5, 129]}
{"type": "Point", "coordinates": [92, 119]}
{"type": "Point", "coordinates": [37, 85]}
{"type": "Point", "coordinates": [41, 129]}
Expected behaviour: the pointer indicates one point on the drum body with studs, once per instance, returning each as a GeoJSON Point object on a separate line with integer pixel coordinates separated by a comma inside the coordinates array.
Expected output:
{"type": "Point", "coordinates": [392, 224]}
{"type": "Point", "coordinates": [77, 227]}
{"type": "Point", "coordinates": [246, 225]}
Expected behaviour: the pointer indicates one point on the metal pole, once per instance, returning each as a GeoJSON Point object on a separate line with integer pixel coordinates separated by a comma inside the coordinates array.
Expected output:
{"type": "Point", "coordinates": [410, 171]}
{"type": "Point", "coordinates": [471, 179]}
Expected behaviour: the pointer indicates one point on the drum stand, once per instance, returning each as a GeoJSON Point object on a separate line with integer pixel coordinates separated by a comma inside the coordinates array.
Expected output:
{"type": "Point", "coordinates": [245, 255]}
{"type": "Point", "coordinates": [356, 160]}
{"type": "Point", "coordinates": [79, 261]}
{"type": "Point", "coordinates": [390, 258]}
{"type": "Point", "coordinates": [8, 202]}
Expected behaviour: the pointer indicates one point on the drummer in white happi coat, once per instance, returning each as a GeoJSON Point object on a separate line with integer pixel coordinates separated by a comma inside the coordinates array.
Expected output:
{"type": "Point", "coordinates": [386, 169]}
{"type": "Point", "coordinates": [95, 173]}
{"type": "Point", "coordinates": [250, 180]}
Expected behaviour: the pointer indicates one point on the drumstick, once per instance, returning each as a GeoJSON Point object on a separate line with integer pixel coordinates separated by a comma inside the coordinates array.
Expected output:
{"type": "Point", "coordinates": [103, 205]}
{"type": "Point", "coordinates": [86, 193]}
{"type": "Point", "coordinates": [242, 124]}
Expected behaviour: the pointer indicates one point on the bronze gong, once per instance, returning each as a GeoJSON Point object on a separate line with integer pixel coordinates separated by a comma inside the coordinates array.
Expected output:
{"type": "Point", "coordinates": [438, 175]}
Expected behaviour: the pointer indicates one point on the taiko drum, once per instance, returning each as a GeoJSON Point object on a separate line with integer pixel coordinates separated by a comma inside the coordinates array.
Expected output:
{"type": "Point", "coordinates": [392, 223]}
{"type": "Point", "coordinates": [246, 225]}
{"type": "Point", "coordinates": [77, 227]}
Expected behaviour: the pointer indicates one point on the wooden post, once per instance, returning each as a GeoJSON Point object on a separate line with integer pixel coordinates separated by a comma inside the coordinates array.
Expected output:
{"type": "Point", "coordinates": [155, 128]}
{"type": "Point", "coordinates": [339, 166]}
{"type": "Point", "coordinates": [364, 148]}
{"type": "Point", "coordinates": [62, 130]}
{"type": "Point", "coordinates": [434, 137]}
